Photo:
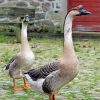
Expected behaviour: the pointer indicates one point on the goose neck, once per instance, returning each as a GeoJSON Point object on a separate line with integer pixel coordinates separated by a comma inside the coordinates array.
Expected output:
{"type": "Point", "coordinates": [68, 41]}
{"type": "Point", "coordinates": [68, 28]}
{"type": "Point", "coordinates": [24, 41]}
{"type": "Point", "coordinates": [24, 32]}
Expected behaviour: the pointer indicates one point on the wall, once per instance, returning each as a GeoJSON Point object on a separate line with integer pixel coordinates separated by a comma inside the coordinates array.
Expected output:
{"type": "Point", "coordinates": [89, 22]}
{"type": "Point", "coordinates": [17, 3]}
{"type": "Point", "coordinates": [11, 10]}
{"type": "Point", "coordinates": [53, 10]}
{"type": "Point", "coordinates": [49, 10]}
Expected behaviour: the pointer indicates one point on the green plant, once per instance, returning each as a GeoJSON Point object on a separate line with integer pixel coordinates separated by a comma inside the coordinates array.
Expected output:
{"type": "Point", "coordinates": [6, 56]}
{"type": "Point", "coordinates": [45, 28]}
{"type": "Point", "coordinates": [7, 39]}
{"type": "Point", "coordinates": [58, 29]}
{"type": "Point", "coordinates": [7, 28]}
{"type": "Point", "coordinates": [38, 28]}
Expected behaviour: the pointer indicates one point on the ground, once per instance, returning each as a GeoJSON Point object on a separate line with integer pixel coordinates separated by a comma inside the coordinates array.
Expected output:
{"type": "Point", "coordinates": [86, 86]}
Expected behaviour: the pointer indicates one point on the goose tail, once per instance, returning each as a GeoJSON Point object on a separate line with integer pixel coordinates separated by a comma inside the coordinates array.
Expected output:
{"type": "Point", "coordinates": [27, 76]}
{"type": "Point", "coordinates": [35, 84]}
{"type": "Point", "coordinates": [6, 68]}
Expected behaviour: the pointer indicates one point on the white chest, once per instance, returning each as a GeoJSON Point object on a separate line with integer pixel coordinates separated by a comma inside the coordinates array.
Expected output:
{"type": "Point", "coordinates": [27, 60]}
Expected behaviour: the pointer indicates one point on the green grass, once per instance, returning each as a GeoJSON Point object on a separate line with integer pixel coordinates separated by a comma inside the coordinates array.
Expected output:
{"type": "Point", "coordinates": [86, 86]}
{"type": "Point", "coordinates": [7, 39]}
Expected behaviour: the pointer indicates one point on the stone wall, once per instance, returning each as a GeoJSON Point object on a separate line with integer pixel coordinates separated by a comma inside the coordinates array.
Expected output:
{"type": "Point", "coordinates": [12, 10]}
{"type": "Point", "coordinates": [17, 3]}
{"type": "Point", "coordinates": [52, 10]}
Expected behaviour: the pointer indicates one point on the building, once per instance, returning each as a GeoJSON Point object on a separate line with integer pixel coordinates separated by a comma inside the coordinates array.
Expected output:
{"type": "Point", "coordinates": [55, 11]}
{"type": "Point", "coordinates": [89, 22]}
{"type": "Point", "coordinates": [12, 10]}
{"type": "Point", "coordinates": [51, 10]}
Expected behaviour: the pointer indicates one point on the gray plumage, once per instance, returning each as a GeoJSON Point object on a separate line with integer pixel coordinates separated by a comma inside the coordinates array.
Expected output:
{"type": "Point", "coordinates": [43, 71]}
{"type": "Point", "coordinates": [10, 61]}
{"type": "Point", "coordinates": [22, 61]}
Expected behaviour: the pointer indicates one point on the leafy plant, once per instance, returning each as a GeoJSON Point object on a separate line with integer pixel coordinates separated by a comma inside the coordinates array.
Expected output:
{"type": "Point", "coordinates": [45, 28]}
{"type": "Point", "coordinates": [6, 56]}
{"type": "Point", "coordinates": [58, 29]}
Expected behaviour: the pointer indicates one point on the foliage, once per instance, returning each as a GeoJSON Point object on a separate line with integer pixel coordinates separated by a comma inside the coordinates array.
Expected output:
{"type": "Point", "coordinates": [38, 28]}
{"type": "Point", "coordinates": [10, 30]}
{"type": "Point", "coordinates": [7, 28]}
{"type": "Point", "coordinates": [42, 28]}
{"type": "Point", "coordinates": [45, 28]}
{"type": "Point", "coordinates": [7, 39]}
{"type": "Point", "coordinates": [58, 29]}
{"type": "Point", "coordinates": [6, 56]}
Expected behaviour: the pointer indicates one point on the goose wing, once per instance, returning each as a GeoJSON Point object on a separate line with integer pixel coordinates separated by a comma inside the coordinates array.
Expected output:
{"type": "Point", "coordinates": [10, 62]}
{"type": "Point", "coordinates": [43, 71]}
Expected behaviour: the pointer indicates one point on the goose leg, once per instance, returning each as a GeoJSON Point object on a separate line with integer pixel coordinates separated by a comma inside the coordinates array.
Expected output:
{"type": "Point", "coordinates": [15, 87]}
{"type": "Point", "coordinates": [26, 86]}
{"type": "Point", "coordinates": [51, 97]}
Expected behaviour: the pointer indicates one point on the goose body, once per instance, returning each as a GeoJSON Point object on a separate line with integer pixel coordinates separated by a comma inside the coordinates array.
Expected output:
{"type": "Point", "coordinates": [51, 77]}
{"type": "Point", "coordinates": [22, 61]}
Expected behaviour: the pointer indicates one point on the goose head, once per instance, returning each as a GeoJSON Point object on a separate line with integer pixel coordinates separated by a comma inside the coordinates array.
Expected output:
{"type": "Point", "coordinates": [78, 11]}
{"type": "Point", "coordinates": [25, 19]}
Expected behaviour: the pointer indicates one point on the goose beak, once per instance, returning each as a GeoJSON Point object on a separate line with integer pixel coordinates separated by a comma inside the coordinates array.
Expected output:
{"type": "Point", "coordinates": [84, 12]}
{"type": "Point", "coordinates": [26, 18]}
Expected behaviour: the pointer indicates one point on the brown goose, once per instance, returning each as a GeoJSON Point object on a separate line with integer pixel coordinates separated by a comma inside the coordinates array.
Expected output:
{"type": "Point", "coordinates": [22, 61]}
{"type": "Point", "coordinates": [51, 77]}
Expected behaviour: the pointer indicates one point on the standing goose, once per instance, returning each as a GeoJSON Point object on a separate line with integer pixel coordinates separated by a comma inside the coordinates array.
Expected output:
{"type": "Point", "coordinates": [51, 77]}
{"type": "Point", "coordinates": [22, 61]}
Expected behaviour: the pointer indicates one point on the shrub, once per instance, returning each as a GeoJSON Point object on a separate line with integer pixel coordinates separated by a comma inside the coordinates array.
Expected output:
{"type": "Point", "coordinates": [7, 28]}
{"type": "Point", "coordinates": [58, 29]}
{"type": "Point", "coordinates": [45, 28]}
{"type": "Point", "coordinates": [38, 28]}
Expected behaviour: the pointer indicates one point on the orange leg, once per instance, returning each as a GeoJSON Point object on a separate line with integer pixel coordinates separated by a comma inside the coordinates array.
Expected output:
{"type": "Point", "coordinates": [26, 86]}
{"type": "Point", "coordinates": [51, 97]}
{"type": "Point", "coordinates": [15, 87]}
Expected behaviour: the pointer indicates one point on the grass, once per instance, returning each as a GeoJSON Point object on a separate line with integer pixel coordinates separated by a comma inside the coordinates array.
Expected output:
{"type": "Point", "coordinates": [86, 86]}
{"type": "Point", "coordinates": [7, 39]}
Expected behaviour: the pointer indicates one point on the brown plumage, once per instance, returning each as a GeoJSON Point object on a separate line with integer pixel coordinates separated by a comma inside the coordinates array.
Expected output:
{"type": "Point", "coordinates": [22, 61]}
{"type": "Point", "coordinates": [65, 70]}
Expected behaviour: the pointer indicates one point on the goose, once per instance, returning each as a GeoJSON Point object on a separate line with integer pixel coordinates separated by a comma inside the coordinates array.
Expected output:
{"type": "Point", "coordinates": [23, 60]}
{"type": "Point", "coordinates": [51, 77]}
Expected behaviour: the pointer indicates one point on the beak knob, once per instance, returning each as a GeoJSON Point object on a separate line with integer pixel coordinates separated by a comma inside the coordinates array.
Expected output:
{"type": "Point", "coordinates": [84, 12]}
